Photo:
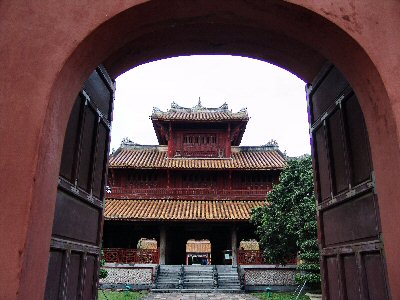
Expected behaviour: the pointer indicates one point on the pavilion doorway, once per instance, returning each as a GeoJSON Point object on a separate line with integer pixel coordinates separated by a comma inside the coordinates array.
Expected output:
{"type": "Point", "coordinates": [198, 252]}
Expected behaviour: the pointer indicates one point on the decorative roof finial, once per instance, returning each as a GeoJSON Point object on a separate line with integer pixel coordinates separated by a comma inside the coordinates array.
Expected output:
{"type": "Point", "coordinates": [199, 104]}
{"type": "Point", "coordinates": [273, 144]}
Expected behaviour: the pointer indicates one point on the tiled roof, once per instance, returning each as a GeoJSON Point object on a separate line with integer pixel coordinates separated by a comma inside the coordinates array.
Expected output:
{"type": "Point", "coordinates": [146, 157]}
{"type": "Point", "coordinates": [199, 113]}
{"type": "Point", "coordinates": [195, 246]}
{"type": "Point", "coordinates": [179, 210]}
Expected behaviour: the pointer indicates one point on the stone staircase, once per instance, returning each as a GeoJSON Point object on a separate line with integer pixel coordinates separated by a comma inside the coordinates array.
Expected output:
{"type": "Point", "coordinates": [168, 278]}
{"type": "Point", "coordinates": [228, 279]}
{"type": "Point", "coordinates": [197, 279]}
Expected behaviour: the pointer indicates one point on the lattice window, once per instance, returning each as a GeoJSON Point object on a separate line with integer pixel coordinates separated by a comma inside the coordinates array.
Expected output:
{"type": "Point", "coordinates": [143, 179]}
{"type": "Point", "coordinates": [199, 139]}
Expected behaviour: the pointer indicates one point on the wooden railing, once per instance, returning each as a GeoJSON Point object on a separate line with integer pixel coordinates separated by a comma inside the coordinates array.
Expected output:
{"type": "Point", "coordinates": [255, 257]}
{"type": "Point", "coordinates": [131, 256]}
{"type": "Point", "coordinates": [186, 193]}
{"type": "Point", "coordinates": [202, 151]}
{"type": "Point", "coordinates": [250, 257]}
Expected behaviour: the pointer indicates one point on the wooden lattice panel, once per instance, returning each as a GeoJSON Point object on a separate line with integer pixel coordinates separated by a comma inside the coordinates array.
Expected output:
{"type": "Point", "coordinates": [202, 246]}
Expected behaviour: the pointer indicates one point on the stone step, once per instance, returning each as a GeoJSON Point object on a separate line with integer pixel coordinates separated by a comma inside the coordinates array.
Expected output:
{"type": "Point", "coordinates": [197, 291]}
{"type": "Point", "coordinates": [197, 279]}
{"type": "Point", "coordinates": [198, 285]}
{"type": "Point", "coordinates": [205, 277]}
{"type": "Point", "coordinates": [198, 271]}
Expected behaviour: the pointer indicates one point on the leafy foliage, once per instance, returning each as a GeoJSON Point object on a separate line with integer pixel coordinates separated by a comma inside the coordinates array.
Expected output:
{"type": "Point", "coordinates": [288, 224]}
{"type": "Point", "coordinates": [103, 272]}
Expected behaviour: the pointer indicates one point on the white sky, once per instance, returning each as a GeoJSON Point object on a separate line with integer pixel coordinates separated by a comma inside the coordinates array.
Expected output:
{"type": "Point", "coordinates": [275, 99]}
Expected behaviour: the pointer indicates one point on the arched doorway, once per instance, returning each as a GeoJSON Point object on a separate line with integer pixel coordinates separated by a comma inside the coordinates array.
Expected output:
{"type": "Point", "coordinates": [292, 36]}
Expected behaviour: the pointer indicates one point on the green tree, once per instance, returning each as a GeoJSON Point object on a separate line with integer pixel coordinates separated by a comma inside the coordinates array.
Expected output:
{"type": "Point", "coordinates": [103, 272]}
{"type": "Point", "coordinates": [288, 224]}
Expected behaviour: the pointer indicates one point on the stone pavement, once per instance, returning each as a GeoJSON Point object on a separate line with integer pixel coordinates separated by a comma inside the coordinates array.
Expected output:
{"type": "Point", "coordinates": [190, 296]}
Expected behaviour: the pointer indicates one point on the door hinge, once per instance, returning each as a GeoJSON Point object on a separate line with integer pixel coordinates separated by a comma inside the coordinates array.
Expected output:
{"type": "Point", "coordinates": [339, 101]}
{"type": "Point", "coordinates": [373, 183]}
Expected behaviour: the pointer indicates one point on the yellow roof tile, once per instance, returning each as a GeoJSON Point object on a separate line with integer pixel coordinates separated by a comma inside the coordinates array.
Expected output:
{"type": "Point", "coordinates": [184, 210]}
{"type": "Point", "coordinates": [142, 157]}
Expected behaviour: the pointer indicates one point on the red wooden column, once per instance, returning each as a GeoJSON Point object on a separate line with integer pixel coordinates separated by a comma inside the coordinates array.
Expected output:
{"type": "Point", "coordinates": [228, 142]}
{"type": "Point", "coordinates": [163, 243]}
{"type": "Point", "coordinates": [230, 180]}
{"type": "Point", "coordinates": [171, 142]}
{"type": "Point", "coordinates": [234, 245]}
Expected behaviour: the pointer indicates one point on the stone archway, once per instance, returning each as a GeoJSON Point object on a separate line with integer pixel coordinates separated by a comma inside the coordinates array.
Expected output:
{"type": "Point", "coordinates": [47, 57]}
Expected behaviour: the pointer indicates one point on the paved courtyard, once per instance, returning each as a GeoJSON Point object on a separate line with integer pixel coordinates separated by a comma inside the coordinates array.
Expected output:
{"type": "Point", "coordinates": [190, 296]}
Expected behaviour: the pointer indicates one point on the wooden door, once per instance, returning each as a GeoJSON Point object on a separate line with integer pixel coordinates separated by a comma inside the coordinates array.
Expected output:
{"type": "Point", "coordinates": [78, 218]}
{"type": "Point", "coordinates": [352, 253]}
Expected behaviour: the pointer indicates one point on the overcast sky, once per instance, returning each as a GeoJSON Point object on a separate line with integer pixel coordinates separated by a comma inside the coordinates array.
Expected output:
{"type": "Point", "coordinates": [275, 99]}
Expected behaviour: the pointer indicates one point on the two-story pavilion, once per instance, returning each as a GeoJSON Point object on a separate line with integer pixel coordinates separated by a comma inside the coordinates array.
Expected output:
{"type": "Point", "coordinates": [198, 183]}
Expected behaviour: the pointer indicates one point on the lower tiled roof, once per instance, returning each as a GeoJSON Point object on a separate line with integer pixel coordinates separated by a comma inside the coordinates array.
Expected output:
{"type": "Point", "coordinates": [180, 210]}
{"type": "Point", "coordinates": [248, 158]}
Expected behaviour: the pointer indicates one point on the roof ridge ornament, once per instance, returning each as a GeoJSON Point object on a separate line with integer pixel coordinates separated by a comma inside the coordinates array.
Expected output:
{"type": "Point", "coordinates": [224, 106]}
{"type": "Point", "coordinates": [156, 110]}
{"type": "Point", "coordinates": [199, 112]}
{"type": "Point", "coordinates": [175, 105]}
{"type": "Point", "coordinates": [128, 142]}
{"type": "Point", "coordinates": [273, 144]}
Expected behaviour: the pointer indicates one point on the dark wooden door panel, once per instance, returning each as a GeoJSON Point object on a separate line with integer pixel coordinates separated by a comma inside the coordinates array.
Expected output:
{"type": "Point", "coordinates": [351, 281]}
{"type": "Point", "coordinates": [72, 136]}
{"type": "Point", "coordinates": [75, 219]}
{"type": "Point", "coordinates": [340, 180]}
{"type": "Point", "coordinates": [375, 275]}
{"type": "Point", "coordinates": [87, 147]}
{"type": "Point", "coordinates": [324, 183]}
{"type": "Point", "coordinates": [54, 274]}
{"type": "Point", "coordinates": [352, 262]}
{"type": "Point", "coordinates": [333, 277]}
{"type": "Point", "coordinates": [326, 90]}
{"type": "Point", "coordinates": [351, 221]}
{"type": "Point", "coordinates": [78, 217]}
{"type": "Point", "coordinates": [361, 167]}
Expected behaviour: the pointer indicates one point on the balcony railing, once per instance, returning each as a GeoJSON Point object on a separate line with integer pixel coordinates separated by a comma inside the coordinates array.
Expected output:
{"type": "Point", "coordinates": [255, 257]}
{"type": "Point", "coordinates": [131, 256]}
{"type": "Point", "coordinates": [187, 193]}
{"type": "Point", "coordinates": [250, 257]}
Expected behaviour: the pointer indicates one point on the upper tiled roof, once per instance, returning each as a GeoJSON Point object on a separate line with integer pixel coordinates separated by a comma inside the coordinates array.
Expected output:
{"type": "Point", "coordinates": [150, 157]}
{"type": "Point", "coordinates": [199, 113]}
{"type": "Point", "coordinates": [179, 210]}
